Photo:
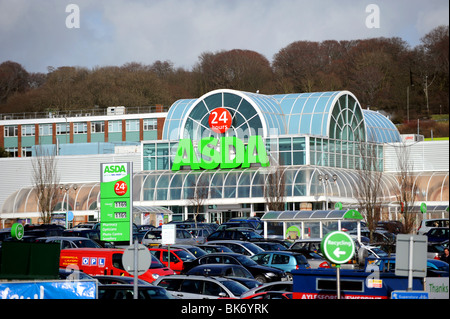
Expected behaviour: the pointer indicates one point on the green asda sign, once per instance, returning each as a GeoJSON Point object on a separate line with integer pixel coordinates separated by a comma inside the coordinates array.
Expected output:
{"type": "Point", "coordinates": [228, 152]}
{"type": "Point", "coordinates": [116, 204]}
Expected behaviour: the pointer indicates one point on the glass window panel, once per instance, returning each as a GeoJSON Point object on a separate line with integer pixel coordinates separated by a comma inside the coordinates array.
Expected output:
{"type": "Point", "coordinates": [247, 110]}
{"type": "Point", "coordinates": [285, 158]}
{"type": "Point", "coordinates": [298, 143]}
{"type": "Point", "coordinates": [229, 192]}
{"type": "Point", "coordinates": [149, 149]}
{"type": "Point", "coordinates": [298, 158]}
{"type": "Point", "coordinates": [214, 101]}
{"type": "Point", "coordinates": [284, 144]}
{"type": "Point", "coordinates": [149, 163]}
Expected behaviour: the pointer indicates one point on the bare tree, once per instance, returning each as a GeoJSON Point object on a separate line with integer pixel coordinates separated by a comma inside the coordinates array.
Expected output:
{"type": "Point", "coordinates": [274, 189]}
{"type": "Point", "coordinates": [369, 186]}
{"type": "Point", "coordinates": [407, 191]}
{"type": "Point", "coordinates": [46, 181]}
{"type": "Point", "coordinates": [199, 196]}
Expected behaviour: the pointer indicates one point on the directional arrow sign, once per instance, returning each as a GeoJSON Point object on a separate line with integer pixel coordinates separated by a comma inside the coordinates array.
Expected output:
{"type": "Point", "coordinates": [338, 247]}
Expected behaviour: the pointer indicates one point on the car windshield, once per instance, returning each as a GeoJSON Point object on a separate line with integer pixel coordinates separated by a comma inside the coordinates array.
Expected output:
{"type": "Point", "coordinates": [246, 261]}
{"type": "Point", "coordinates": [156, 263]}
{"type": "Point", "coordinates": [80, 243]}
{"type": "Point", "coordinates": [301, 260]}
{"type": "Point", "coordinates": [253, 248]}
{"type": "Point", "coordinates": [250, 234]}
{"type": "Point", "coordinates": [183, 255]}
{"type": "Point", "coordinates": [379, 252]}
{"type": "Point", "coordinates": [236, 288]}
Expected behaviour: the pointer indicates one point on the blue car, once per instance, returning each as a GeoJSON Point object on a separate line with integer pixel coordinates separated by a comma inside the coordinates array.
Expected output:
{"type": "Point", "coordinates": [284, 260]}
{"type": "Point", "coordinates": [437, 234]}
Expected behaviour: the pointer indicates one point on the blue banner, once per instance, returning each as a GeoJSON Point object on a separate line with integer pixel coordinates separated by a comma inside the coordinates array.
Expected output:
{"type": "Point", "coordinates": [61, 289]}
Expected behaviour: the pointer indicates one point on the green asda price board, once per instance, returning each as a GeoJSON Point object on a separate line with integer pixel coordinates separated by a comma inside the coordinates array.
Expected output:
{"type": "Point", "coordinates": [116, 201]}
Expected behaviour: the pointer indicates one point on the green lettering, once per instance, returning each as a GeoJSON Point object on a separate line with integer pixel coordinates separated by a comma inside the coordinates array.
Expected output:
{"type": "Point", "coordinates": [256, 152]}
{"type": "Point", "coordinates": [210, 152]}
{"type": "Point", "coordinates": [239, 149]}
{"type": "Point", "coordinates": [185, 156]}
{"type": "Point", "coordinates": [232, 153]}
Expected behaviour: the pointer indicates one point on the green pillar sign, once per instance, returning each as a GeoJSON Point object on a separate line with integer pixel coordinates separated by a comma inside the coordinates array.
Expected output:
{"type": "Point", "coordinates": [116, 201]}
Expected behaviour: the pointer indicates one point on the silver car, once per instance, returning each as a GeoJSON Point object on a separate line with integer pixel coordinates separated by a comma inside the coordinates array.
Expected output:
{"type": "Point", "coordinates": [153, 237]}
{"type": "Point", "coordinates": [200, 287]}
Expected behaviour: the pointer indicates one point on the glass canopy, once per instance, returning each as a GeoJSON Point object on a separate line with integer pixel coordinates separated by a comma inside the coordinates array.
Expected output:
{"type": "Point", "coordinates": [336, 115]}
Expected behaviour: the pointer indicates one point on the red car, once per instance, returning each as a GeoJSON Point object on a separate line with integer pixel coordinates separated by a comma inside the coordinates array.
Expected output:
{"type": "Point", "coordinates": [270, 295]}
{"type": "Point", "coordinates": [106, 261]}
{"type": "Point", "coordinates": [177, 257]}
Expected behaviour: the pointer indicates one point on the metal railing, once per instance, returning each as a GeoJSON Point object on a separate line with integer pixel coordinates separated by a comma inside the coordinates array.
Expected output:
{"type": "Point", "coordinates": [80, 113]}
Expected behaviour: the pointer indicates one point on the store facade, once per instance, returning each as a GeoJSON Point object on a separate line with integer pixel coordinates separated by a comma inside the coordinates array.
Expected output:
{"type": "Point", "coordinates": [220, 151]}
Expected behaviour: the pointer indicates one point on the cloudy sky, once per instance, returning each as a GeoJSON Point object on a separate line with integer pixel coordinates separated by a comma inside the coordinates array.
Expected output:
{"type": "Point", "coordinates": [38, 34]}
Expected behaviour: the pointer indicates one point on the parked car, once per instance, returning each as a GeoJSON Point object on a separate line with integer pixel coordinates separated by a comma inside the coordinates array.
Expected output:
{"type": "Point", "coordinates": [200, 234]}
{"type": "Point", "coordinates": [435, 250]}
{"type": "Point", "coordinates": [270, 295]}
{"type": "Point", "coordinates": [261, 273]}
{"type": "Point", "coordinates": [427, 224]}
{"type": "Point", "coordinates": [178, 257]}
{"type": "Point", "coordinates": [118, 280]}
{"type": "Point", "coordinates": [73, 274]}
{"type": "Point", "coordinates": [235, 272]}
{"type": "Point", "coordinates": [44, 230]}
{"type": "Point", "coordinates": [212, 248]}
{"type": "Point", "coordinates": [233, 234]}
{"type": "Point", "coordinates": [236, 223]}
{"type": "Point", "coordinates": [90, 233]}
{"type": "Point", "coordinates": [314, 259]}
{"type": "Point", "coordinates": [84, 226]}
{"type": "Point", "coordinates": [266, 245]}
{"type": "Point", "coordinates": [126, 292]}
{"type": "Point", "coordinates": [107, 261]}
{"type": "Point", "coordinates": [70, 242]}
{"type": "Point", "coordinates": [281, 286]}
{"type": "Point", "coordinates": [201, 287]}
{"type": "Point", "coordinates": [238, 246]}
{"type": "Point", "coordinates": [182, 236]}
{"type": "Point", "coordinates": [437, 268]}
{"type": "Point", "coordinates": [437, 234]}
{"type": "Point", "coordinates": [194, 250]}
{"type": "Point", "coordinates": [284, 260]}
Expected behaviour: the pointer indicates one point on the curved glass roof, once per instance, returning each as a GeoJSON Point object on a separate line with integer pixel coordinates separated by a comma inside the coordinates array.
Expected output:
{"type": "Point", "coordinates": [308, 215]}
{"type": "Point", "coordinates": [167, 188]}
{"type": "Point", "coordinates": [252, 114]}
{"type": "Point", "coordinates": [336, 115]}
{"type": "Point", "coordinates": [331, 114]}
{"type": "Point", "coordinates": [379, 128]}
{"type": "Point", "coordinates": [175, 188]}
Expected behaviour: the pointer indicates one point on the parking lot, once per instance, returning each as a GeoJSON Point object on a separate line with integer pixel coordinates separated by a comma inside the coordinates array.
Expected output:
{"type": "Point", "coordinates": [209, 261]}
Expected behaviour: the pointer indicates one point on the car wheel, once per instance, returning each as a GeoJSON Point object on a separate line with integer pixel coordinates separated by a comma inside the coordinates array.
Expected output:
{"type": "Point", "coordinates": [261, 279]}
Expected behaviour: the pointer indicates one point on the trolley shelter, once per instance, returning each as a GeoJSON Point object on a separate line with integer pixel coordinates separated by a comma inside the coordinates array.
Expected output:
{"type": "Point", "coordinates": [292, 225]}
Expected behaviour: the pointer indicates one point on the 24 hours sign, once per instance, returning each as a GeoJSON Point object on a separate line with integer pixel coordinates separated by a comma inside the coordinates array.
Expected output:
{"type": "Point", "coordinates": [115, 201]}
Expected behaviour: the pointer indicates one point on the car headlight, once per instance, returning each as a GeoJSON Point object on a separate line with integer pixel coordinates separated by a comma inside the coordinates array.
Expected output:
{"type": "Point", "coordinates": [155, 276]}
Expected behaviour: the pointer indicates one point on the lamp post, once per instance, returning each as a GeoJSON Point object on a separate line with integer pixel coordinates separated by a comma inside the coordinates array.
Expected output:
{"type": "Point", "coordinates": [325, 179]}
{"type": "Point", "coordinates": [67, 188]}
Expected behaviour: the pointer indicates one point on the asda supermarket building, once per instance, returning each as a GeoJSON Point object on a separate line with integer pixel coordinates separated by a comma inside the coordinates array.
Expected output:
{"type": "Point", "coordinates": [235, 154]}
{"type": "Point", "coordinates": [223, 150]}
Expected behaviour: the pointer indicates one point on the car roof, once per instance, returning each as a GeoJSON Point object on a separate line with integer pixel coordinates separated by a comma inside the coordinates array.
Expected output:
{"type": "Point", "coordinates": [197, 277]}
{"type": "Point", "coordinates": [288, 252]}
{"type": "Point", "coordinates": [165, 248]}
{"type": "Point", "coordinates": [66, 238]}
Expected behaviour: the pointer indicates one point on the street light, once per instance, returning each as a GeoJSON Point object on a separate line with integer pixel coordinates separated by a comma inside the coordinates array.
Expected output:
{"type": "Point", "coordinates": [324, 178]}
{"type": "Point", "coordinates": [67, 188]}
